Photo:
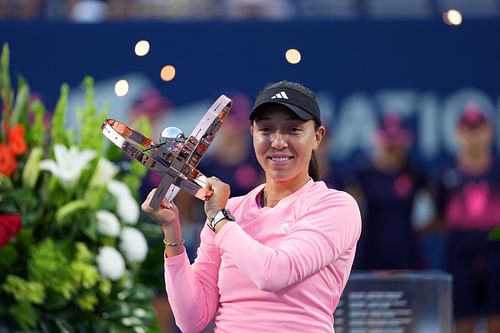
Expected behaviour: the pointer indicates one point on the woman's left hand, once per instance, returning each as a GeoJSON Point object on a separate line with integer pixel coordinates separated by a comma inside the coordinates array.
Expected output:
{"type": "Point", "coordinates": [220, 195]}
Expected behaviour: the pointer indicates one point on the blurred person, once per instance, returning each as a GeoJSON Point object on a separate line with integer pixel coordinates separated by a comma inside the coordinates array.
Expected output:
{"type": "Point", "coordinates": [258, 9]}
{"type": "Point", "coordinates": [158, 9]}
{"type": "Point", "coordinates": [21, 9]}
{"type": "Point", "coordinates": [87, 11]}
{"type": "Point", "coordinates": [120, 10]}
{"type": "Point", "coordinates": [277, 258]}
{"type": "Point", "coordinates": [386, 188]}
{"type": "Point", "coordinates": [468, 197]}
{"type": "Point", "coordinates": [152, 104]}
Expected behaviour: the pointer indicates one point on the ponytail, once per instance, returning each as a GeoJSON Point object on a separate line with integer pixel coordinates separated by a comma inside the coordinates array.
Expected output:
{"type": "Point", "coordinates": [313, 167]}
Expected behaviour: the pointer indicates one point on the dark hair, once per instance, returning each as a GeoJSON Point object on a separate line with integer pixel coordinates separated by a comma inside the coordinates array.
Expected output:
{"type": "Point", "coordinates": [313, 162]}
{"type": "Point", "coordinates": [313, 169]}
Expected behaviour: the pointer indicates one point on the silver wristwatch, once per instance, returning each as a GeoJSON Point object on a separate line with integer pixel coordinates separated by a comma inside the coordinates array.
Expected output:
{"type": "Point", "coordinates": [222, 214]}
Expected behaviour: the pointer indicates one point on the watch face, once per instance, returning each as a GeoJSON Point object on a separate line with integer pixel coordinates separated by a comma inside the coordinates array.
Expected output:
{"type": "Point", "coordinates": [228, 215]}
{"type": "Point", "coordinates": [220, 215]}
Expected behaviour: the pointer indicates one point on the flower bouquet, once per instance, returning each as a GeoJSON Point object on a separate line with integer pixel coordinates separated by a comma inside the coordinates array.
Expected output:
{"type": "Point", "coordinates": [72, 242]}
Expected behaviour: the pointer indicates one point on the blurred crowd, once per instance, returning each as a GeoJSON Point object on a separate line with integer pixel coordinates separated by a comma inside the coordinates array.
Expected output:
{"type": "Point", "coordinates": [105, 10]}
{"type": "Point", "coordinates": [414, 218]}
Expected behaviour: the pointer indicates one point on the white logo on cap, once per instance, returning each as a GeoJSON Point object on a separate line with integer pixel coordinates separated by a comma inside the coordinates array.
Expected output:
{"type": "Point", "coordinates": [280, 95]}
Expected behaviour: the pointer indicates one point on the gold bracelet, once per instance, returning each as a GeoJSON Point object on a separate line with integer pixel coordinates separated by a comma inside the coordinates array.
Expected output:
{"type": "Point", "coordinates": [173, 244]}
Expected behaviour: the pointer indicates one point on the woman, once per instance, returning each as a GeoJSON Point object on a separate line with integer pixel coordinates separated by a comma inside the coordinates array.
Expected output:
{"type": "Point", "coordinates": [277, 258]}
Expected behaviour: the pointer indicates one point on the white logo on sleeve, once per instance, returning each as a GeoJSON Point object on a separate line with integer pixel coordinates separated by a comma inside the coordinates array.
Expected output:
{"type": "Point", "coordinates": [280, 95]}
{"type": "Point", "coordinates": [284, 229]}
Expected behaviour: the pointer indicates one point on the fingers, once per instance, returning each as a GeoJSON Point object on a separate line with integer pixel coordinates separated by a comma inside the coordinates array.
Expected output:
{"type": "Point", "coordinates": [165, 204]}
{"type": "Point", "coordinates": [211, 182]}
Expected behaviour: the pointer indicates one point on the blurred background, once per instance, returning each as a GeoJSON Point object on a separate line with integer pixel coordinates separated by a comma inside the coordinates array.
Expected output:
{"type": "Point", "coordinates": [421, 63]}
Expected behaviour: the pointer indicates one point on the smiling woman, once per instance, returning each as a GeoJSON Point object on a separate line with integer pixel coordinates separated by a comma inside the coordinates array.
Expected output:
{"type": "Point", "coordinates": [287, 246]}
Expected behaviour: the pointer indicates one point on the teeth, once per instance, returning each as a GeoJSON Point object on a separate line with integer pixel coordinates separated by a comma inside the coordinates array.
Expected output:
{"type": "Point", "coordinates": [280, 159]}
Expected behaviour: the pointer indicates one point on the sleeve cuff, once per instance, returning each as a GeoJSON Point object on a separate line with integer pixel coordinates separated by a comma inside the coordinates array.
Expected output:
{"type": "Point", "coordinates": [178, 260]}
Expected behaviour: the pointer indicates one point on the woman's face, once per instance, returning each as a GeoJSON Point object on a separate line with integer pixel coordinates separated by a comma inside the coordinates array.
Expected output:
{"type": "Point", "coordinates": [475, 139]}
{"type": "Point", "coordinates": [284, 143]}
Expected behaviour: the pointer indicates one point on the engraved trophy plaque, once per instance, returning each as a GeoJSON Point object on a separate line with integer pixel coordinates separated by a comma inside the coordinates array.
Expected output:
{"type": "Point", "coordinates": [176, 156]}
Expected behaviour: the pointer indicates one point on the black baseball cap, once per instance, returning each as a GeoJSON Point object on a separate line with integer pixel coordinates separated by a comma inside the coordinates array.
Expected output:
{"type": "Point", "coordinates": [301, 104]}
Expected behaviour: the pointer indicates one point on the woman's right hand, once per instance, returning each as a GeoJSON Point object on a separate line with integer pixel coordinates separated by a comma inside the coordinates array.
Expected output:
{"type": "Point", "coordinates": [166, 215]}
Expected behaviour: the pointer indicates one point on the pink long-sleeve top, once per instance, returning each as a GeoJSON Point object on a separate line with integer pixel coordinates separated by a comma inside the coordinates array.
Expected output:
{"type": "Point", "coordinates": [279, 269]}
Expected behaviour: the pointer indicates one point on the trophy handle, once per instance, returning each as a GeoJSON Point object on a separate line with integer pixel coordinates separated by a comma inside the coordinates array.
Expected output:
{"type": "Point", "coordinates": [169, 187]}
{"type": "Point", "coordinates": [195, 187]}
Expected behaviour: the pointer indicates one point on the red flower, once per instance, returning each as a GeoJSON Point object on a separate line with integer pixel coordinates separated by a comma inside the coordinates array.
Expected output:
{"type": "Point", "coordinates": [8, 163]}
{"type": "Point", "coordinates": [9, 227]}
{"type": "Point", "coordinates": [15, 138]}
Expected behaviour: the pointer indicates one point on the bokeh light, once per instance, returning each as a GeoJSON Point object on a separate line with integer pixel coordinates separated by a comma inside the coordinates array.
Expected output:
{"type": "Point", "coordinates": [167, 73]}
{"type": "Point", "coordinates": [121, 88]}
{"type": "Point", "coordinates": [142, 48]}
{"type": "Point", "coordinates": [293, 56]}
{"type": "Point", "coordinates": [452, 17]}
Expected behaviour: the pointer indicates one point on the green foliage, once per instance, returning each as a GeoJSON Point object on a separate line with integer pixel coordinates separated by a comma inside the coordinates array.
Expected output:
{"type": "Point", "coordinates": [91, 119]}
{"type": "Point", "coordinates": [35, 136]}
{"type": "Point", "coordinates": [59, 117]}
{"type": "Point", "coordinates": [23, 290]}
{"type": "Point", "coordinates": [20, 112]}
{"type": "Point", "coordinates": [53, 275]}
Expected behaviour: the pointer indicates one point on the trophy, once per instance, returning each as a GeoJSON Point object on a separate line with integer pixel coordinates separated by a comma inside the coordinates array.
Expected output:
{"type": "Point", "coordinates": [175, 156]}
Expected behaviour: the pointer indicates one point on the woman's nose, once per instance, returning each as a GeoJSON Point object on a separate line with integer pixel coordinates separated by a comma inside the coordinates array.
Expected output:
{"type": "Point", "coordinates": [279, 140]}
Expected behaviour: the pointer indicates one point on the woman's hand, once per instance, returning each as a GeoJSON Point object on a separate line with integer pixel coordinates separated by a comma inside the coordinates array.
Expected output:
{"type": "Point", "coordinates": [220, 195]}
{"type": "Point", "coordinates": [166, 215]}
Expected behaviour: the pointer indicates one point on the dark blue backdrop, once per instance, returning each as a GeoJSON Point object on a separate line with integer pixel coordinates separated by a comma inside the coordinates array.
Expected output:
{"type": "Point", "coordinates": [425, 70]}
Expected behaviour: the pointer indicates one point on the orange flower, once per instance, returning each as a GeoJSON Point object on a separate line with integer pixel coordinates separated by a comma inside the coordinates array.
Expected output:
{"type": "Point", "coordinates": [8, 163]}
{"type": "Point", "coordinates": [16, 139]}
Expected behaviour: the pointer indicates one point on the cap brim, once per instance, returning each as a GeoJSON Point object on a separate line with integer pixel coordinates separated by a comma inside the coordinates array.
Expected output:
{"type": "Point", "coordinates": [298, 111]}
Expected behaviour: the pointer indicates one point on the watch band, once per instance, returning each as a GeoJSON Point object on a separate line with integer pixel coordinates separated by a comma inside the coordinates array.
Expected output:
{"type": "Point", "coordinates": [222, 214]}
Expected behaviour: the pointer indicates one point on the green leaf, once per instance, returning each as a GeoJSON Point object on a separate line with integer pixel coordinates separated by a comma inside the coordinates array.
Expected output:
{"type": "Point", "coordinates": [5, 183]}
{"type": "Point", "coordinates": [59, 118]}
{"type": "Point", "coordinates": [25, 314]}
{"type": "Point", "coordinates": [8, 256]}
{"type": "Point", "coordinates": [35, 136]}
{"type": "Point", "coordinates": [91, 120]}
{"type": "Point", "coordinates": [5, 86]}
{"type": "Point", "coordinates": [54, 301]}
{"type": "Point", "coordinates": [63, 325]}
{"type": "Point", "coordinates": [20, 112]}
{"type": "Point", "coordinates": [90, 229]}
{"type": "Point", "coordinates": [31, 169]}
{"type": "Point", "coordinates": [66, 213]}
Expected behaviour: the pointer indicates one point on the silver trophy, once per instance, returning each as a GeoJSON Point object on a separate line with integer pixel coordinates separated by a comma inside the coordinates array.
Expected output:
{"type": "Point", "coordinates": [176, 156]}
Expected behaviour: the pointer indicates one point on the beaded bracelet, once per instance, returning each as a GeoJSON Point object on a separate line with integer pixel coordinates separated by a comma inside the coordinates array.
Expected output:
{"type": "Point", "coordinates": [173, 244]}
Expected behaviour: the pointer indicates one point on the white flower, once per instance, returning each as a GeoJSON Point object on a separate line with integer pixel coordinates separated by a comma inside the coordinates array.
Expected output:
{"type": "Point", "coordinates": [110, 263]}
{"type": "Point", "coordinates": [107, 223]}
{"type": "Point", "coordinates": [104, 172]}
{"type": "Point", "coordinates": [127, 207]}
{"type": "Point", "coordinates": [68, 165]}
{"type": "Point", "coordinates": [133, 244]}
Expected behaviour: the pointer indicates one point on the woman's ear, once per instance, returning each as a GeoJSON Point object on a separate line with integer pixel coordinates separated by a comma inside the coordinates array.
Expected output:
{"type": "Point", "coordinates": [251, 130]}
{"type": "Point", "coordinates": [319, 135]}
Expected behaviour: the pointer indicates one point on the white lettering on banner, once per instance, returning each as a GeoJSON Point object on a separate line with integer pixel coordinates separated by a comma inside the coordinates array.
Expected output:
{"type": "Point", "coordinates": [355, 122]}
